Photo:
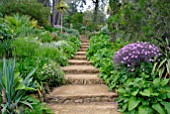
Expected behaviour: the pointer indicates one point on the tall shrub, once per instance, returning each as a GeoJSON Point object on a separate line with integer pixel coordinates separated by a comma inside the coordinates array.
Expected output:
{"type": "Point", "coordinates": [26, 7]}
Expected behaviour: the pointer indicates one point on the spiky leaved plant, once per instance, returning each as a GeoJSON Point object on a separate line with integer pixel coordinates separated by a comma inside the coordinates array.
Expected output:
{"type": "Point", "coordinates": [13, 88]}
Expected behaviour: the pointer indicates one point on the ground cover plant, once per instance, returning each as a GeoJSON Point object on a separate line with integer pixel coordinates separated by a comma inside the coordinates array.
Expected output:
{"type": "Point", "coordinates": [36, 48]}
{"type": "Point", "coordinates": [136, 71]}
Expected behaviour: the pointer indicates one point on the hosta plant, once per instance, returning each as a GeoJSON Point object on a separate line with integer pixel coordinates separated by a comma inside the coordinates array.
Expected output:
{"type": "Point", "coordinates": [119, 75]}
{"type": "Point", "coordinates": [144, 95]}
{"type": "Point", "coordinates": [133, 54]}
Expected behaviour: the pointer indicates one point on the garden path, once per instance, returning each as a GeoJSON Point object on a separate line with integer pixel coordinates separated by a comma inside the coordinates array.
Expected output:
{"type": "Point", "coordinates": [85, 92]}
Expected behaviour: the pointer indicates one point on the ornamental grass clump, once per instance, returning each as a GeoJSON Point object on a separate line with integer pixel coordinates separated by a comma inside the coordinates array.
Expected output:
{"type": "Point", "coordinates": [135, 53]}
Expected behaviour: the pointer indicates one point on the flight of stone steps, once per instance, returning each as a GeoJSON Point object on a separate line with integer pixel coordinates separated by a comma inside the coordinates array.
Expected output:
{"type": "Point", "coordinates": [85, 92]}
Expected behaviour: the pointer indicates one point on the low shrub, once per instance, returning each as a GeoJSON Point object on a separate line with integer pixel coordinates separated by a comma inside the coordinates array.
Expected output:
{"type": "Point", "coordinates": [105, 30]}
{"type": "Point", "coordinates": [51, 73]}
{"type": "Point", "coordinates": [45, 37]}
{"type": "Point", "coordinates": [102, 57]}
{"type": "Point", "coordinates": [24, 47]}
{"type": "Point", "coordinates": [54, 36]}
{"type": "Point", "coordinates": [72, 32]}
{"type": "Point", "coordinates": [48, 72]}
{"type": "Point", "coordinates": [37, 107]}
{"type": "Point", "coordinates": [119, 75]}
{"type": "Point", "coordinates": [20, 25]}
{"type": "Point", "coordinates": [98, 42]}
{"type": "Point", "coordinates": [100, 53]}
{"type": "Point", "coordinates": [6, 36]}
{"type": "Point", "coordinates": [51, 53]}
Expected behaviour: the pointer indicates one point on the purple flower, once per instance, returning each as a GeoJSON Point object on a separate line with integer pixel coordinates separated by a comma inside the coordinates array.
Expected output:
{"type": "Point", "coordinates": [135, 53]}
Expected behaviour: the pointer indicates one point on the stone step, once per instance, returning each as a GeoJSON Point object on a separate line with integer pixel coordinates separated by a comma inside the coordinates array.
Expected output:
{"type": "Point", "coordinates": [81, 53]}
{"type": "Point", "coordinates": [84, 41]}
{"type": "Point", "coordinates": [79, 62]}
{"type": "Point", "coordinates": [79, 69]}
{"type": "Point", "coordinates": [90, 108]}
{"type": "Point", "coordinates": [83, 79]}
{"type": "Point", "coordinates": [84, 44]}
{"type": "Point", "coordinates": [81, 94]}
{"type": "Point", "coordinates": [80, 57]}
{"type": "Point", "coordinates": [83, 49]}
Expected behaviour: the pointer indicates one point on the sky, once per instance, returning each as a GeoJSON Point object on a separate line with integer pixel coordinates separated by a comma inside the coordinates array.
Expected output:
{"type": "Point", "coordinates": [89, 5]}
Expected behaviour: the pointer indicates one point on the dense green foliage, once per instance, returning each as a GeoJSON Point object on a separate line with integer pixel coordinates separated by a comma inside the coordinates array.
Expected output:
{"type": "Point", "coordinates": [140, 78]}
{"type": "Point", "coordinates": [142, 20]}
{"type": "Point", "coordinates": [32, 8]}
{"type": "Point", "coordinates": [14, 88]}
{"type": "Point", "coordinates": [143, 89]}
{"type": "Point", "coordinates": [37, 48]}
{"type": "Point", "coordinates": [100, 53]}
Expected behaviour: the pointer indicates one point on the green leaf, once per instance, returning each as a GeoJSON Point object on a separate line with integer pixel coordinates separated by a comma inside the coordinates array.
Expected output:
{"type": "Point", "coordinates": [120, 90]}
{"type": "Point", "coordinates": [164, 82]}
{"type": "Point", "coordinates": [160, 65]}
{"type": "Point", "coordinates": [156, 82]}
{"type": "Point", "coordinates": [20, 86]}
{"type": "Point", "coordinates": [29, 89]}
{"type": "Point", "coordinates": [158, 108]}
{"type": "Point", "coordinates": [154, 68]}
{"type": "Point", "coordinates": [143, 110]}
{"type": "Point", "coordinates": [133, 103]}
{"type": "Point", "coordinates": [154, 94]}
{"type": "Point", "coordinates": [146, 92]}
{"type": "Point", "coordinates": [27, 103]}
{"type": "Point", "coordinates": [167, 106]}
{"type": "Point", "coordinates": [168, 95]}
{"type": "Point", "coordinates": [124, 107]}
{"type": "Point", "coordinates": [134, 93]}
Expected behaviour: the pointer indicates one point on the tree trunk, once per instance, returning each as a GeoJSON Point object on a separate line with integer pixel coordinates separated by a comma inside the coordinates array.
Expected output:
{"type": "Point", "coordinates": [61, 23]}
{"type": "Point", "coordinates": [55, 17]}
{"type": "Point", "coordinates": [96, 10]}
{"type": "Point", "coordinates": [58, 18]}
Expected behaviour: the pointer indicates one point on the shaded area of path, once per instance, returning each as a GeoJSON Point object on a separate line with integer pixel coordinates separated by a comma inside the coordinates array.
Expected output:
{"type": "Point", "coordinates": [85, 92]}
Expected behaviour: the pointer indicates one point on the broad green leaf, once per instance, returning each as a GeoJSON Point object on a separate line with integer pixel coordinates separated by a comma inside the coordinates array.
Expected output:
{"type": "Point", "coordinates": [145, 102]}
{"type": "Point", "coordinates": [156, 82]}
{"type": "Point", "coordinates": [134, 93]}
{"type": "Point", "coordinates": [17, 74]}
{"type": "Point", "coordinates": [133, 103]}
{"type": "Point", "coordinates": [20, 86]}
{"type": "Point", "coordinates": [164, 82]}
{"type": "Point", "coordinates": [146, 92]}
{"type": "Point", "coordinates": [154, 94]}
{"type": "Point", "coordinates": [158, 108]}
{"type": "Point", "coordinates": [162, 95]}
{"type": "Point", "coordinates": [30, 89]}
{"type": "Point", "coordinates": [143, 110]}
{"type": "Point", "coordinates": [124, 107]}
{"type": "Point", "coordinates": [167, 106]}
{"type": "Point", "coordinates": [121, 90]}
